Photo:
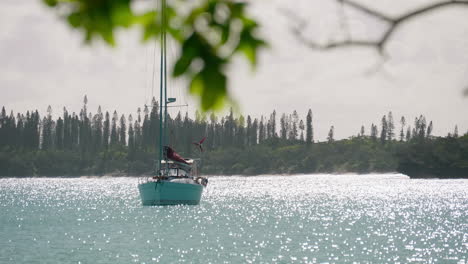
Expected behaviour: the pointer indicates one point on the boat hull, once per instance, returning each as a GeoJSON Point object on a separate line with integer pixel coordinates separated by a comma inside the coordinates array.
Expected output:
{"type": "Point", "coordinates": [170, 193]}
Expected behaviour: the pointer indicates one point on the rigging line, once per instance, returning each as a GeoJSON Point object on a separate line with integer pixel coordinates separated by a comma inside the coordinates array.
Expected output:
{"type": "Point", "coordinates": [145, 97]}
{"type": "Point", "coordinates": [182, 105]}
{"type": "Point", "coordinates": [154, 70]}
{"type": "Point", "coordinates": [171, 58]}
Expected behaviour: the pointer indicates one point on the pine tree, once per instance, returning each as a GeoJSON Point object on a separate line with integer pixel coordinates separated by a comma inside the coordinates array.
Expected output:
{"type": "Point", "coordinates": [3, 128]}
{"type": "Point", "coordinates": [402, 131]}
{"type": "Point", "coordinates": [408, 134]}
{"type": "Point", "coordinates": [283, 127]}
{"type": "Point", "coordinates": [84, 128]}
{"type": "Point", "coordinates": [229, 127]}
{"type": "Point", "coordinates": [85, 103]}
{"type": "Point", "coordinates": [290, 127]}
{"type": "Point", "coordinates": [420, 127]}
{"type": "Point", "coordinates": [429, 130]}
{"type": "Point", "coordinates": [240, 129]}
{"type": "Point", "coordinates": [67, 138]}
{"type": "Point", "coordinates": [268, 129]}
{"type": "Point", "coordinates": [254, 132]}
{"type": "Point", "coordinates": [309, 129]}
{"type": "Point", "coordinates": [362, 132]}
{"type": "Point", "coordinates": [74, 131]}
{"type": "Point", "coordinates": [154, 126]}
{"type": "Point", "coordinates": [114, 137]}
{"type": "Point", "coordinates": [28, 135]}
{"type": "Point", "coordinates": [455, 132]}
{"type": "Point", "coordinates": [123, 131]}
{"type": "Point", "coordinates": [131, 137]}
{"type": "Point", "coordinates": [3, 117]}
{"type": "Point", "coordinates": [294, 128]}
{"type": "Point", "coordinates": [89, 134]}
{"type": "Point", "coordinates": [27, 131]}
{"type": "Point", "coordinates": [423, 127]}
{"type": "Point", "coordinates": [330, 137]}
{"type": "Point", "coordinates": [384, 131]}
{"type": "Point", "coordinates": [16, 133]}
{"type": "Point", "coordinates": [97, 131]}
{"type": "Point", "coordinates": [187, 124]}
{"type": "Point", "coordinates": [35, 129]}
{"type": "Point", "coordinates": [47, 127]}
{"type": "Point", "coordinates": [212, 136]}
{"type": "Point", "coordinates": [249, 131]}
{"type": "Point", "coordinates": [175, 131]}
{"type": "Point", "coordinates": [10, 130]}
{"type": "Point", "coordinates": [261, 131]}
{"type": "Point", "coordinates": [301, 128]}
{"type": "Point", "coordinates": [138, 130]}
{"type": "Point", "coordinates": [273, 124]}
{"type": "Point", "coordinates": [146, 143]}
{"type": "Point", "coordinates": [59, 129]}
{"type": "Point", "coordinates": [106, 131]}
{"type": "Point", "coordinates": [374, 132]}
{"type": "Point", "coordinates": [390, 127]}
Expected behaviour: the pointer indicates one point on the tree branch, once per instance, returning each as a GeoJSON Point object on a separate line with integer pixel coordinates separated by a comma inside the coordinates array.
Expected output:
{"type": "Point", "coordinates": [366, 10]}
{"type": "Point", "coordinates": [379, 44]}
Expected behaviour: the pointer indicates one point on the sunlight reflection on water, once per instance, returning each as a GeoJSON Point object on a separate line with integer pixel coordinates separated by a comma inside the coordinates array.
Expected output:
{"type": "Point", "coordinates": [263, 219]}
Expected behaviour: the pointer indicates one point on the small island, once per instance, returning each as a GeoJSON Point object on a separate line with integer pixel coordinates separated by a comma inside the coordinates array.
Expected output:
{"type": "Point", "coordinates": [111, 144]}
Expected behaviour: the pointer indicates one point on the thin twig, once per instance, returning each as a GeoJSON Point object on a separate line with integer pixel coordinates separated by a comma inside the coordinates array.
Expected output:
{"type": "Point", "coordinates": [379, 44]}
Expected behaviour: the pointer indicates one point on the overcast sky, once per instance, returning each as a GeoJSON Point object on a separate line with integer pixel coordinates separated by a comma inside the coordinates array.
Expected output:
{"type": "Point", "coordinates": [43, 62]}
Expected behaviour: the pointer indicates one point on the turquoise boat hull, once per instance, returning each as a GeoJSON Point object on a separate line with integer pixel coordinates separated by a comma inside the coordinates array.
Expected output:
{"type": "Point", "coordinates": [170, 193]}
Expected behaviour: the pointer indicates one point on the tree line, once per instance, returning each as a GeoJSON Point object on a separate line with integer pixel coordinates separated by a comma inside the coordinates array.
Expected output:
{"type": "Point", "coordinates": [109, 143]}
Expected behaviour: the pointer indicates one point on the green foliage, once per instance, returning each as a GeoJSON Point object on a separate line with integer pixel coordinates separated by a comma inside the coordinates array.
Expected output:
{"type": "Point", "coordinates": [94, 145]}
{"type": "Point", "coordinates": [209, 36]}
{"type": "Point", "coordinates": [283, 156]}
{"type": "Point", "coordinates": [438, 157]}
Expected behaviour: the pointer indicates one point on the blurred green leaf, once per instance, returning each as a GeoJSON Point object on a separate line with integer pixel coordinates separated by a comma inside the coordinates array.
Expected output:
{"type": "Point", "coordinates": [249, 46]}
{"type": "Point", "coordinates": [74, 20]}
{"type": "Point", "coordinates": [190, 50]}
{"type": "Point", "coordinates": [122, 15]}
{"type": "Point", "coordinates": [210, 85]}
{"type": "Point", "coordinates": [201, 32]}
{"type": "Point", "coordinates": [215, 90]}
{"type": "Point", "coordinates": [50, 3]}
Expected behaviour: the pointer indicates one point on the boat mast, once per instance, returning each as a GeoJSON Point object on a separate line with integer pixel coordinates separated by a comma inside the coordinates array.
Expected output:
{"type": "Point", "coordinates": [166, 117]}
{"type": "Point", "coordinates": [162, 86]}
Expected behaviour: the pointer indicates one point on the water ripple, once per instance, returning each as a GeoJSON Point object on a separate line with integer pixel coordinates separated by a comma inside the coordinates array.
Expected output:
{"type": "Point", "coordinates": [265, 219]}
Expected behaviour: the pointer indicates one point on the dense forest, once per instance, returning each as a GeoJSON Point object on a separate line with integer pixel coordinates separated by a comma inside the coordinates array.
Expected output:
{"type": "Point", "coordinates": [112, 144]}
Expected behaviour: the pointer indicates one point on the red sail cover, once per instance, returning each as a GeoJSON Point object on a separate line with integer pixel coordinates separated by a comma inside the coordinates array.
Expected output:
{"type": "Point", "coordinates": [172, 155]}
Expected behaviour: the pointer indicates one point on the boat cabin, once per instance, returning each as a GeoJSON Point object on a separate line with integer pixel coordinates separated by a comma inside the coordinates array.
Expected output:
{"type": "Point", "coordinates": [171, 168]}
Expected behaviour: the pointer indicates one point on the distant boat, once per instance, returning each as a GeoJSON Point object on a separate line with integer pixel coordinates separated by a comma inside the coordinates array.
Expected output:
{"type": "Point", "coordinates": [173, 186]}
{"type": "Point", "coordinates": [177, 180]}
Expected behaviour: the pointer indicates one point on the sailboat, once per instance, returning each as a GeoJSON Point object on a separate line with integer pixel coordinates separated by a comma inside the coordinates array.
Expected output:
{"type": "Point", "coordinates": [176, 179]}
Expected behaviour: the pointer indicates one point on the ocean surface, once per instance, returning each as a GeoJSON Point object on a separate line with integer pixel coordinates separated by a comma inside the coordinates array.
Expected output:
{"type": "Point", "coordinates": [385, 218]}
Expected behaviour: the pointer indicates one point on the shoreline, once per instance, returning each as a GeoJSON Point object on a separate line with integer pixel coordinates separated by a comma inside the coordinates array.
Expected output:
{"type": "Point", "coordinates": [122, 175]}
{"type": "Point", "coordinates": [207, 175]}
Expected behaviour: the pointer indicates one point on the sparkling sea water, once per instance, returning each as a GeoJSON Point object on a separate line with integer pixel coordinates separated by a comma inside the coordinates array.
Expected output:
{"type": "Point", "coordinates": [385, 218]}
